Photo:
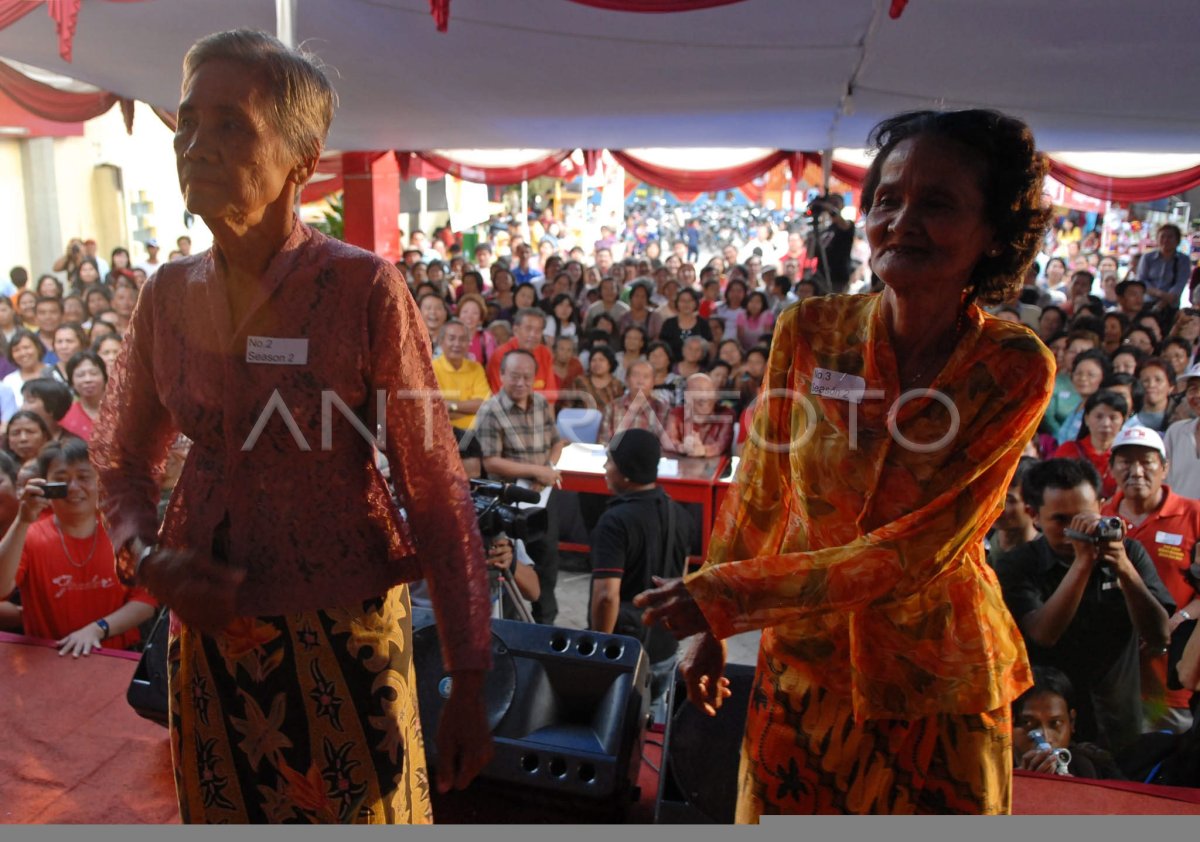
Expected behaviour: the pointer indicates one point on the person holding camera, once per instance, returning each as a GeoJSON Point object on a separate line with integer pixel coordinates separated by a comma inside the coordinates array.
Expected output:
{"type": "Point", "coordinates": [68, 262]}
{"type": "Point", "coordinates": [1086, 599]}
{"type": "Point", "coordinates": [1044, 732]}
{"type": "Point", "coordinates": [520, 443]}
{"type": "Point", "coordinates": [831, 240]}
{"type": "Point", "coordinates": [64, 565]}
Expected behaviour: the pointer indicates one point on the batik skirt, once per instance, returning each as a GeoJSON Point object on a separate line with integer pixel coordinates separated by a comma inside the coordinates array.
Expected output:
{"type": "Point", "coordinates": [803, 753]}
{"type": "Point", "coordinates": [301, 718]}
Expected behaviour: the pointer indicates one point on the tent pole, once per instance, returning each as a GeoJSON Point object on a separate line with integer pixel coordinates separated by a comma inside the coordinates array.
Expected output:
{"type": "Point", "coordinates": [285, 22]}
{"type": "Point", "coordinates": [525, 212]}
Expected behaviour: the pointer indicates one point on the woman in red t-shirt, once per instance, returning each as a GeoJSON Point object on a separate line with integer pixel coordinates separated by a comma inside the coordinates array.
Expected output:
{"type": "Point", "coordinates": [1104, 414]}
{"type": "Point", "coordinates": [64, 564]}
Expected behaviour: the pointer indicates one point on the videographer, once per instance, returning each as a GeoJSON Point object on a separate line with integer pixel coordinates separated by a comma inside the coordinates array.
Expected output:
{"type": "Point", "coordinates": [520, 442]}
{"type": "Point", "coordinates": [71, 257]}
{"type": "Point", "coordinates": [831, 239]}
{"type": "Point", "coordinates": [1084, 597]}
{"type": "Point", "coordinates": [501, 551]}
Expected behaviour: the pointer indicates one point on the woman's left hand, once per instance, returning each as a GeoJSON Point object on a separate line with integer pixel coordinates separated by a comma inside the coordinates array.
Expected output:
{"type": "Point", "coordinates": [464, 742]}
{"type": "Point", "coordinates": [81, 641]}
{"type": "Point", "coordinates": [670, 604]}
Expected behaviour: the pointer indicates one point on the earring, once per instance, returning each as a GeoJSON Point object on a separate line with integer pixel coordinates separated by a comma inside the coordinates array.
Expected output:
{"type": "Point", "coordinates": [993, 253]}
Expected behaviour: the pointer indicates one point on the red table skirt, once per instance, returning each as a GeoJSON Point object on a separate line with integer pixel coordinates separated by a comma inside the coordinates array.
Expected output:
{"type": "Point", "coordinates": [72, 751]}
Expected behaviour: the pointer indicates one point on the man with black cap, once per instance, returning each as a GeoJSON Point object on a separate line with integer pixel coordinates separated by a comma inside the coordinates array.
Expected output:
{"type": "Point", "coordinates": [641, 538]}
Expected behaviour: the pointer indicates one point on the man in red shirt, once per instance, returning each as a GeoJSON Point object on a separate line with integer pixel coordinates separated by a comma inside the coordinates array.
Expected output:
{"type": "Point", "coordinates": [1168, 526]}
{"type": "Point", "coordinates": [528, 325]}
{"type": "Point", "coordinates": [64, 564]}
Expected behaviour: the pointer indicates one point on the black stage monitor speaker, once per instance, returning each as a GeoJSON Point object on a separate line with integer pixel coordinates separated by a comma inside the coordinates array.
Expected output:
{"type": "Point", "coordinates": [567, 708]}
{"type": "Point", "coordinates": [698, 780]}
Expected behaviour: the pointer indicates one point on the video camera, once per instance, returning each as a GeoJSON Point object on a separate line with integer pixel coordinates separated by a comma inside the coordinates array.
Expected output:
{"type": "Point", "coordinates": [826, 203]}
{"type": "Point", "coordinates": [1107, 529]}
{"type": "Point", "coordinates": [497, 514]}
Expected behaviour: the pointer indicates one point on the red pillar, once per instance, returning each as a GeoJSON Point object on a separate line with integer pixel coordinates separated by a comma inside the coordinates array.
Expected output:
{"type": "Point", "coordinates": [371, 202]}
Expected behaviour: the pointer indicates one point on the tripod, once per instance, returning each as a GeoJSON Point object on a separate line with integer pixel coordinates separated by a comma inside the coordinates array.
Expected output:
{"type": "Point", "coordinates": [514, 595]}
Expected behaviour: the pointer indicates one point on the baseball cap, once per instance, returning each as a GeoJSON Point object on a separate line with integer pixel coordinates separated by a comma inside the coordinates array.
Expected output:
{"type": "Point", "coordinates": [1193, 371]}
{"type": "Point", "coordinates": [151, 244]}
{"type": "Point", "coordinates": [1139, 437]}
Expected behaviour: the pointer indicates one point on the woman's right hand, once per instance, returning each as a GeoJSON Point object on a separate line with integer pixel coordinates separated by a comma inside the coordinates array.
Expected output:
{"type": "Point", "coordinates": [202, 592]}
{"type": "Point", "coordinates": [33, 500]}
{"type": "Point", "coordinates": [703, 670]}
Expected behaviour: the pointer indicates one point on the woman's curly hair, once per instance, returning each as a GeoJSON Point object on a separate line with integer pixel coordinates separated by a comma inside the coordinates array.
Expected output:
{"type": "Point", "coordinates": [1014, 204]}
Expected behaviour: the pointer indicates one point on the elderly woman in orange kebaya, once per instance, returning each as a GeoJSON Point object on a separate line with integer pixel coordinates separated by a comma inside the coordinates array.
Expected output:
{"type": "Point", "coordinates": [282, 554]}
{"type": "Point", "coordinates": [884, 438]}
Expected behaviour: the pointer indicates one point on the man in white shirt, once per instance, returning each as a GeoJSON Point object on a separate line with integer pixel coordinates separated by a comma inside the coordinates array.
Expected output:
{"type": "Point", "coordinates": [1183, 447]}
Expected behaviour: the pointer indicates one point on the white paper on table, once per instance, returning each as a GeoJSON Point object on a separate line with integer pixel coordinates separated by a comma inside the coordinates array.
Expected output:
{"type": "Point", "coordinates": [732, 470]}
{"type": "Point", "coordinates": [543, 495]}
{"type": "Point", "coordinates": [582, 458]}
{"type": "Point", "coordinates": [668, 467]}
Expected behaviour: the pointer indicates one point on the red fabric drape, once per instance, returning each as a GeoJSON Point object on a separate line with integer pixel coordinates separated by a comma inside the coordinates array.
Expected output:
{"type": "Point", "coordinates": [496, 175]}
{"type": "Point", "coordinates": [1141, 189]}
{"type": "Point", "coordinates": [50, 103]}
{"type": "Point", "coordinates": [12, 11]}
{"type": "Point", "coordinates": [655, 5]}
{"type": "Point", "coordinates": [752, 192]}
{"type": "Point", "coordinates": [851, 174]}
{"type": "Point", "coordinates": [170, 118]}
{"type": "Point", "coordinates": [440, 9]}
{"type": "Point", "coordinates": [700, 181]}
{"type": "Point", "coordinates": [64, 13]}
{"type": "Point", "coordinates": [591, 159]}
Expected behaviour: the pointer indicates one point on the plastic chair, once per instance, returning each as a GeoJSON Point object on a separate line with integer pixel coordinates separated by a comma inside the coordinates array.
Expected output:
{"type": "Point", "coordinates": [579, 425]}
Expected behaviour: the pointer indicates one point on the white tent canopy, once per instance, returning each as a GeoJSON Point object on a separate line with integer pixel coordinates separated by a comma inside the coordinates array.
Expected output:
{"type": "Point", "coordinates": [1089, 75]}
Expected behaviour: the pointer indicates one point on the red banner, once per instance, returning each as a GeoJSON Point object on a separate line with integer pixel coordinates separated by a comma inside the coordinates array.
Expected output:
{"type": "Point", "coordinates": [655, 6]}
{"type": "Point", "coordinates": [49, 102]}
{"type": "Point", "coordinates": [702, 181]}
{"type": "Point", "coordinates": [1142, 189]}
{"type": "Point", "coordinates": [496, 175]}
{"type": "Point", "coordinates": [64, 13]}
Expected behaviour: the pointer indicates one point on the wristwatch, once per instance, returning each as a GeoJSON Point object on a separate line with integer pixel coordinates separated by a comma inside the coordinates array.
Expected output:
{"type": "Point", "coordinates": [453, 406]}
{"type": "Point", "coordinates": [1184, 614]}
{"type": "Point", "coordinates": [103, 624]}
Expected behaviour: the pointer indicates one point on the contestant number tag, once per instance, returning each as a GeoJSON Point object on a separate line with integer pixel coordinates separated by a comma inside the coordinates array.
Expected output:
{"type": "Point", "coordinates": [271, 350]}
{"type": "Point", "coordinates": [838, 386]}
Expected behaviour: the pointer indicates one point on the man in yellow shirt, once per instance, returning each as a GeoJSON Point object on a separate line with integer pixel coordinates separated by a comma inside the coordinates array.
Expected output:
{"type": "Point", "coordinates": [463, 382]}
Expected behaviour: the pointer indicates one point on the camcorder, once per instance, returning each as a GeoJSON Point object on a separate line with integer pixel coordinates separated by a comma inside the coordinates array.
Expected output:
{"type": "Point", "coordinates": [822, 204]}
{"type": "Point", "coordinates": [1062, 756]}
{"type": "Point", "coordinates": [1106, 529]}
{"type": "Point", "coordinates": [497, 514]}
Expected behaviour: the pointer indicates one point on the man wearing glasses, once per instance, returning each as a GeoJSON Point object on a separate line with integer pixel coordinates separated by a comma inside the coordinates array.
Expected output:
{"type": "Point", "coordinates": [520, 443]}
{"type": "Point", "coordinates": [1168, 526]}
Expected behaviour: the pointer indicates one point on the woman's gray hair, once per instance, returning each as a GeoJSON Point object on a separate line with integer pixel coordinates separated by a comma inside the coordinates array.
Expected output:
{"type": "Point", "coordinates": [301, 94]}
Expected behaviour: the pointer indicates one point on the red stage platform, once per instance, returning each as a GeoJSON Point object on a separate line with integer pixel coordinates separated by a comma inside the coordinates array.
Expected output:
{"type": "Point", "coordinates": [72, 751]}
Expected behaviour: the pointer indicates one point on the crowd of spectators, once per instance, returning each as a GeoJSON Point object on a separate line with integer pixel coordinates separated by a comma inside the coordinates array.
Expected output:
{"type": "Point", "coordinates": [61, 336]}
{"type": "Point", "coordinates": [656, 340]}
